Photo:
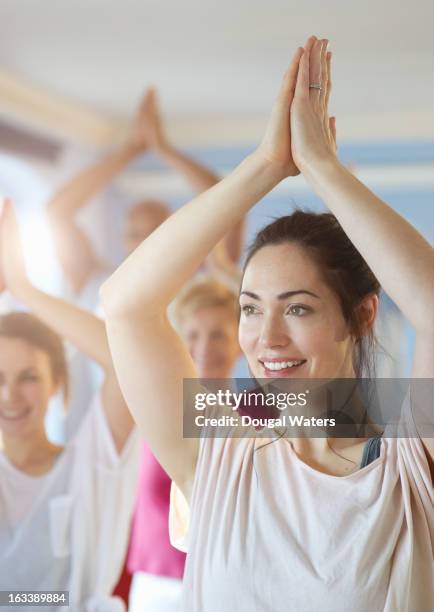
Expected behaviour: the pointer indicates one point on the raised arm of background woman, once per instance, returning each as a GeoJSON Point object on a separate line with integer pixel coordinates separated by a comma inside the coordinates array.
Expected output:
{"type": "Point", "coordinates": [81, 328]}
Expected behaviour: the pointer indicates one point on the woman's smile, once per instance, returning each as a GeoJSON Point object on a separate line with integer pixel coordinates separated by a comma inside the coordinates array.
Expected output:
{"type": "Point", "coordinates": [282, 367]}
{"type": "Point", "coordinates": [14, 414]}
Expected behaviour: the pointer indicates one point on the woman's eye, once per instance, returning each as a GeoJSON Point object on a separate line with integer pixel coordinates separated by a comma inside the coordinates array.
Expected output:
{"type": "Point", "coordinates": [298, 310]}
{"type": "Point", "coordinates": [247, 309]}
{"type": "Point", "coordinates": [30, 378]}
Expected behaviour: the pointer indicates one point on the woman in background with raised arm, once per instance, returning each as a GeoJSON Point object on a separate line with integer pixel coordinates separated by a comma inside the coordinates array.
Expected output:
{"type": "Point", "coordinates": [64, 511]}
{"type": "Point", "coordinates": [80, 263]}
{"type": "Point", "coordinates": [206, 315]}
{"type": "Point", "coordinates": [307, 523]}
{"type": "Point", "coordinates": [82, 267]}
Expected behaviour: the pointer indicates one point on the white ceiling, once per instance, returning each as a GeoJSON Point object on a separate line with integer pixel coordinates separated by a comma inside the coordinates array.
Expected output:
{"type": "Point", "coordinates": [212, 57]}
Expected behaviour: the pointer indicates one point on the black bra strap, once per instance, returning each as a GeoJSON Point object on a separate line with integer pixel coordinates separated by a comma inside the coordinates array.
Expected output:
{"type": "Point", "coordinates": [371, 451]}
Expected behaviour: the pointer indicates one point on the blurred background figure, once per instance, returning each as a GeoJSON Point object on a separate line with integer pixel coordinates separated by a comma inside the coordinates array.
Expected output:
{"type": "Point", "coordinates": [64, 510]}
{"type": "Point", "coordinates": [80, 263]}
{"type": "Point", "coordinates": [83, 269]}
{"type": "Point", "coordinates": [206, 313]}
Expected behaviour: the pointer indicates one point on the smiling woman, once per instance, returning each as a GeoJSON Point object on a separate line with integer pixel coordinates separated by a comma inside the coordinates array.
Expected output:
{"type": "Point", "coordinates": [206, 314]}
{"type": "Point", "coordinates": [320, 326]}
{"type": "Point", "coordinates": [277, 524]}
{"type": "Point", "coordinates": [41, 523]}
{"type": "Point", "coordinates": [26, 391]}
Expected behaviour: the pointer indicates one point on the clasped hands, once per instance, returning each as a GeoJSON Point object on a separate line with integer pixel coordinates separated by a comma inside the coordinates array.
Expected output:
{"type": "Point", "coordinates": [147, 130]}
{"type": "Point", "coordinates": [299, 132]}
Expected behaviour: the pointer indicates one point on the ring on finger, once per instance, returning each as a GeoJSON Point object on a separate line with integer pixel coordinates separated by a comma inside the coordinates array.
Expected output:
{"type": "Point", "coordinates": [315, 86]}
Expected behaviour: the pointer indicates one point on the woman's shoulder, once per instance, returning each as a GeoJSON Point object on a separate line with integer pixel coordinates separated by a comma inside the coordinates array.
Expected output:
{"type": "Point", "coordinates": [93, 441]}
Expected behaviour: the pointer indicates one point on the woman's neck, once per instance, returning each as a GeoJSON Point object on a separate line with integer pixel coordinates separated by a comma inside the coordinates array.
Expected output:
{"type": "Point", "coordinates": [34, 454]}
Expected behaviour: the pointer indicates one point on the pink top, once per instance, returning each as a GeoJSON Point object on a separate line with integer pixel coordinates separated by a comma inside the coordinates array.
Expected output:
{"type": "Point", "coordinates": [265, 531]}
{"type": "Point", "coordinates": [150, 549]}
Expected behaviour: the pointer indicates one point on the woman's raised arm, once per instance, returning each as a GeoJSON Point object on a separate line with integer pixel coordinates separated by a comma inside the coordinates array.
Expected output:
{"type": "Point", "coordinates": [150, 359]}
{"type": "Point", "coordinates": [83, 329]}
{"type": "Point", "coordinates": [400, 257]}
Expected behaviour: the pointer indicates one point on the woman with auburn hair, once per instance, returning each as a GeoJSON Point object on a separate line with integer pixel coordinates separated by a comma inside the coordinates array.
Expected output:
{"type": "Point", "coordinates": [64, 511]}
{"type": "Point", "coordinates": [302, 523]}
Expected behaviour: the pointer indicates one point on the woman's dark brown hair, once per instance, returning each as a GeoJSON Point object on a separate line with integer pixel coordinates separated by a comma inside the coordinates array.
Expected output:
{"type": "Point", "coordinates": [27, 327]}
{"type": "Point", "coordinates": [343, 269]}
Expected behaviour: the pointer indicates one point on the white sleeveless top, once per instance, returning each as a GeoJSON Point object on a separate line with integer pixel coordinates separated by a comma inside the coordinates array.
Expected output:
{"type": "Point", "coordinates": [68, 529]}
{"type": "Point", "coordinates": [268, 533]}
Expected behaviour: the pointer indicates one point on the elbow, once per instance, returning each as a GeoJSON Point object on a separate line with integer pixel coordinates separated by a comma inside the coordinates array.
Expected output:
{"type": "Point", "coordinates": [58, 212]}
{"type": "Point", "coordinates": [57, 220]}
{"type": "Point", "coordinates": [111, 300]}
{"type": "Point", "coordinates": [126, 295]}
{"type": "Point", "coordinates": [119, 303]}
